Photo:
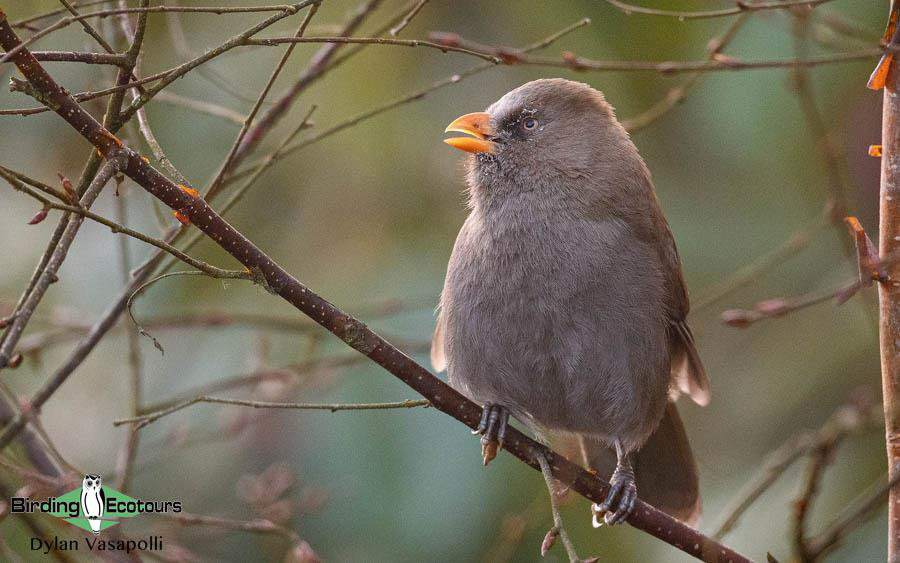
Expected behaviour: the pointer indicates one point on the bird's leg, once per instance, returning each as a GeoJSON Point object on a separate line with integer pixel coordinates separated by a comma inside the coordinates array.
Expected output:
{"type": "Point", "coordinates": [622, 492]}
{"type": "Point", "coordinates": [557, 528]}
{"type": "Point", "coordinates": [492, 428]}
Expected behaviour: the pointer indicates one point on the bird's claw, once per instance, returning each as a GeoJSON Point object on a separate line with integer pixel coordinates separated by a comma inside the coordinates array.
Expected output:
{"type": "Point", "coordinates": [492, 427]}
{"type": "Point", "coordinates": [619, 502]}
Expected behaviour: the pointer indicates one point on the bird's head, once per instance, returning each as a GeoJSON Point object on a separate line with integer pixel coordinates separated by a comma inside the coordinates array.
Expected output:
{"type": "Point", "coordinates": [545, 134]}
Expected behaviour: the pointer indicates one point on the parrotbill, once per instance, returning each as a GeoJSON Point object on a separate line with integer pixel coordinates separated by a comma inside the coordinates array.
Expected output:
{"type": "Point", "coordinates": [564, 303]}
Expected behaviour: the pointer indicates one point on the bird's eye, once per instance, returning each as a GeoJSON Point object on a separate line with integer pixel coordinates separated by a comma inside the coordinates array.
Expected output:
{"type": "Point", "coordinates": [529, 123]}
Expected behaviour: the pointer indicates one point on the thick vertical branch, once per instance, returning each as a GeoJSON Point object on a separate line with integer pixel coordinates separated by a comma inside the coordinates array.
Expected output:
{"type": "Point", "coordinates": [889, 294]}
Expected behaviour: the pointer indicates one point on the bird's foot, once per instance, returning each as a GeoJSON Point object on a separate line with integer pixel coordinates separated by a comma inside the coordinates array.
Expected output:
{"type": "Point", "coordinates": [620, 499]}
{"type": "Point", "coordinates": [494, 420]}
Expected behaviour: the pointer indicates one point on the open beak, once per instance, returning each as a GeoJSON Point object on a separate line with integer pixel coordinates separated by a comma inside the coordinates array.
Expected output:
{"type": "Point", "coordinates": [476, 124]}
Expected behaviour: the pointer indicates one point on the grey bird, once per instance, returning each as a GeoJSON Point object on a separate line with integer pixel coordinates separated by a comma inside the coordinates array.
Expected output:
{"type": "Point", "coordinates": [564, 303]}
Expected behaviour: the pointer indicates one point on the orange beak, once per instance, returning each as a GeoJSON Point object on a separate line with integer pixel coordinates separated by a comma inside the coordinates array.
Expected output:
{"type": "Point", "coordinates": [476, 124]}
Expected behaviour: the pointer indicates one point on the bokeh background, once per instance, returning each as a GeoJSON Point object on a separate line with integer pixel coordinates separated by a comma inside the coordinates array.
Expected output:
{"type": "Point", "coordinates": [369, 216]}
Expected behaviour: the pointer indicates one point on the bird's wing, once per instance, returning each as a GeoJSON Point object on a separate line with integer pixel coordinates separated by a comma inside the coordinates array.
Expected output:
{"type": "Point", "coordinates": [438, 355]}
{"type": "Point", "coordinates": [102, 500]}
{"type": "Point", "coordinates": [688, 374]}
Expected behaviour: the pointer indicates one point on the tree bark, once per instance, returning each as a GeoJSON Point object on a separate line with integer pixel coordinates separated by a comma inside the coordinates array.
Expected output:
{"type": "Point", "coordinates": [889, 294]}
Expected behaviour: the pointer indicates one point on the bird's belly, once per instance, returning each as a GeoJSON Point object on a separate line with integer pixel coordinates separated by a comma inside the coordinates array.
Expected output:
{"type": "Point", "coordinates": [557, 355]}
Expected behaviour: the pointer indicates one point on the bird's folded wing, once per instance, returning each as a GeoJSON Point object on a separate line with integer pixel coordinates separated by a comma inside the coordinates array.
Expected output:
{"type": "Point", "coordinates": [688, 374]}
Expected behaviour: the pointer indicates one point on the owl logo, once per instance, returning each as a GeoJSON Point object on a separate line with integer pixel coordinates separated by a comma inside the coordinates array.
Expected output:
{"type": "Point", "coordinates": [92, 501]}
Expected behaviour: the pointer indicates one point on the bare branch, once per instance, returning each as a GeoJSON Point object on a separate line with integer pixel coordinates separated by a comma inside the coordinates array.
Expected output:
{"type": "Point", "coordinates": [200, 105]}
{"type": "Point", "coordinates": [395, 31]}
{"type": "Point", "coordinates": [742, 7]}
{"type": "Point", "coordinates": [255, 526]}
{"type": "Point", "coordinates": [48, 275]}
{"type": "Point", "coordinates": [678, 94]}
{"type": "Point", "coordinates": [76, 17]}
{"type": "Point", "coordinates": [129, 450]}
{"type": "Point", "coordinates": [261, 98]}
{"type": "Point", "coordinates": [889, 294]}
{"type": "Point", "coordinates": [751, 271]}
{"type": "Point", "coordinates": [115, 227]}
{"type": "Point", "coordinates": [272, 41]}
{"type": "Point", "coordinates": [79, 57]}
{"type": "Point", "coordinates": [145, 419]}
{"type": "Point", "coordinates": [318, 65]}
{"type": "Point", "coordinates": [225, 274]}
{"type": "Point", "coordinates": [858, 415]}
{"type": "Point", "coordinates": [852, 517]}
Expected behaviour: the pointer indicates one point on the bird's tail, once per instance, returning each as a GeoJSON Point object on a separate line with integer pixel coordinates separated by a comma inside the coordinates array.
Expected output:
{"type": "Point", "coordinates": [664, 468]}
{"type": "Point", "coordinates": [95, 524]}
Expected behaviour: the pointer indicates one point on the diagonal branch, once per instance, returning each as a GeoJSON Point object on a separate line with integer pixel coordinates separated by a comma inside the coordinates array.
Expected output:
{"type": "Point", "coordinates": [48, 275]}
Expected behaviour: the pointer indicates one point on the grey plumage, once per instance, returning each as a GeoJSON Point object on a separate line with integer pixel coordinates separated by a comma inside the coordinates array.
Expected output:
{"type": "Point", "coordinates": [564, 300]}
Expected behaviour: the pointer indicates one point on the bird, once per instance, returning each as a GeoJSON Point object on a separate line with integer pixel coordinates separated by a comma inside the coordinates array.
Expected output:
{"type": "Point", "coordinates": [564, 303]}
{"type": "Point", "coordinates": [93, 500]}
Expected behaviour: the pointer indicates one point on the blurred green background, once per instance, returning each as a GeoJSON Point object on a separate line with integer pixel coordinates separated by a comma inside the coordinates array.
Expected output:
{"type": "Point", "coordinates": [369, 215]}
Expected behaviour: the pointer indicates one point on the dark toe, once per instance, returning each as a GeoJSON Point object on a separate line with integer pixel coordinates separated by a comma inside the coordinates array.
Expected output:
{"type": "Point", "coordinates": [623, 507]}
{"type": "Point", "coordinates": [609, 502]}
{"type": "Point", "coordinates": [483, 423]}
{"type": "Point", "coordinates": [492, 427]}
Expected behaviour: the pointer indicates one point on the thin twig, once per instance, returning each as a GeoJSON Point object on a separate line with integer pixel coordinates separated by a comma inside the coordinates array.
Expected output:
{"type": "Point", "coordinates": [307, 368]}
{"type": "Point", "coordinates": [255, 526]}
{"type": "Point", "coordinates": [261, 98]}
{"type": "Point", "coordinates": [225, 274]}
{"type": "Point", "coordinates": [820, 459]}
{"type": "Point", "coordinates": [779, 307]}
{"type": "Point", "coordinates": [851, 517]}
{"type": "Point", "coordinates": [145, 419]}
{"type": "Point", "coordinates": [26, 22]}
{"type": "Point", "coordinates": [129, 450]}
{"type": "Point", "coordinates": [816, 122]}
{"type": "Point", "coordinates": [756, 267]}
{"type": "Point", "coordinates": [48, 275]}
{"type": "Point", "coordinates": [558, 529]}
{"type": "Point", "coordinates": [676, 95]}
{"type": "Point", "coordinates": [854, 417]}
{"type": "Point", "coordinates": [272, 41]}
{"type": "Point", "coordinates": [115, 227]}
{"type": "Point", "coordinates": [79, 57]}
{"type": "Point", "coordinates": [743, 6]}
{"type": "Point", "coordinates": [574, 62]}
{"type": "Point", "coordinates": [87, 27]}
{"type": "Point", "coordinates": [318, 65]}
{"type": "Point", "coordinates": [771, 308]}
{"type": "Point", "coordinates": [66, 331]}
{"type": "Point", "coordinates": [219, 10]}
{"type": "Point", "coordinates": [200, 105]}
{"type": "Point", "coordinates": [395, 31]}
{"type": "Point", "coordinates": [774, 466]}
